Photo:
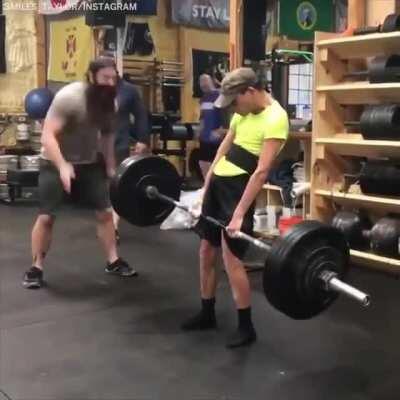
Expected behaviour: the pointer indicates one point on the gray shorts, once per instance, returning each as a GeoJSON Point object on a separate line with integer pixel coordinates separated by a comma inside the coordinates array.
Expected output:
{"type": "Point", "coordinates": [90, 188]}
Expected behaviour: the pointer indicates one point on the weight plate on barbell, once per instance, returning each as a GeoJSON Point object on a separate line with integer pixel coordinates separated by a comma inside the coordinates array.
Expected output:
{"type": "Point", "coordinates": [291, 274]}
{"type": "Point", "coordinates": [127, 189]}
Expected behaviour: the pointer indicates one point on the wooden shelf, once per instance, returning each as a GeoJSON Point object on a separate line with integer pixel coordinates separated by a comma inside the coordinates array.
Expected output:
{"type": "Point", "coordinates": [300, 135]}
{"type": "Point", "coordinates": [362, 200]}
{"type": "Point", "coordinates": [375, 261]}
{"type": "Point", "coordinates": [362, 46]}
{"type": "Point", "coordinates": [362, 92]}
{"type": "Point", "coordinates": [268, 186]}
{"type": "Point", "coordinates": [361, 147]}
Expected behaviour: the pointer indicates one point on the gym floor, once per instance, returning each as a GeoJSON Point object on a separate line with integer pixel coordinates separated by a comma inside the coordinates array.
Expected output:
{"type": "Point", "coordinates": [92, 336]}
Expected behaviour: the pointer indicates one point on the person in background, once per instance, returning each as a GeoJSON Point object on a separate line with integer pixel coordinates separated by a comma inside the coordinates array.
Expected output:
{"type": "Point", "coordinates": [78, 153]}
{"type": "Point", "coordinates": [132, 123]}
{"type": "Point", "coordinates": [211, 131]}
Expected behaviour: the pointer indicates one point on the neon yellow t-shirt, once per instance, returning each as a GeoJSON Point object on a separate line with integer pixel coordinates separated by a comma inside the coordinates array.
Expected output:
{"type": "Point", "coordinates": [251, 131]}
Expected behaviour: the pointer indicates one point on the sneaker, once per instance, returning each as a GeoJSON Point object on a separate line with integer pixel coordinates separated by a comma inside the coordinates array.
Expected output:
{"type": "Point", "coordinates": [33, 278]}
{"type": "Point", "coordinates": [242, 337]}
{"type": "Point", "coordinates": [200, 322]}
{"type": "Point", "coordinates": [121, 268]}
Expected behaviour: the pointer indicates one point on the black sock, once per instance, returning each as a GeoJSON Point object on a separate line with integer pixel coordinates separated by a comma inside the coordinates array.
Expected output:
{"type": "Point", "coordinates": [244, 315]}
{"type": "Point", "coordinates": [208, 306]}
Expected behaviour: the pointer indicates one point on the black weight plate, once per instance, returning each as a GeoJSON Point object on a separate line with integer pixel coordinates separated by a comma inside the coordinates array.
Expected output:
{"type": "Point", "coordinates": [292, 267]}
{"type": "Point", "coordinates": [381, 122]}
{"type": "Point", "coordinates": [385, 237]}
{"type": "Point", "coordinates": [352, 225]}
{"type": "Point", "coordinates": [391, 23]}
{"type": "Point", "coordinates": [380, 177]}
{"type": "Point", "coordinates": [127, 189]}
{"type": "Point", "coordinates": [385, 69]}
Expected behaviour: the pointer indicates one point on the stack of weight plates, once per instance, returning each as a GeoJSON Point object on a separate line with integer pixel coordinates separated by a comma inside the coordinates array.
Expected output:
{"type": "Point", "coordinates": [36, 133]}
{"type": "Point", "coordinates": [4, 192]}
{"type": "Point", "coordinates": [29, 163]}
{"type": "Point", "coordinates": [6, 162]}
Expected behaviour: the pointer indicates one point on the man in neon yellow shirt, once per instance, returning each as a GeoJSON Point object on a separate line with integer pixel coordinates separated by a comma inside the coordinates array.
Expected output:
{"type": "Point", "coordinates": [258, 131]}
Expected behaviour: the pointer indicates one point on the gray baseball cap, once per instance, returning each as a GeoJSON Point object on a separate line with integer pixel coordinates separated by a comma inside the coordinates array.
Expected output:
{"type": "Point", "coordinates": [234, 83]}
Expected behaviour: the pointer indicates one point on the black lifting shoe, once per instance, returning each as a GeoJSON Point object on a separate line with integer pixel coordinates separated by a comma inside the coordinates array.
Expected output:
{"type": "Point", "coordinates": [204, 320]}
{"type": "Point", "coordinates": [33, 278]}
{"type": "Point", "coordinates": [121, 268]}
{"type": "Point", "coordinates": [200, 322]}
{"type": "Point", "coordinates": [242, 337]}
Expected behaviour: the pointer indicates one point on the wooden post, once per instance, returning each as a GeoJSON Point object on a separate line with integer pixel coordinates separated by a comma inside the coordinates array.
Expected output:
{"type": "Point", "coordinates": [376, 11]}
{"type": "Point", "coordinates": [41, 76]}
{"type": "Point", "coordinates": [356, 13]}
{"type": "Point", "coordinates": [236, 34]}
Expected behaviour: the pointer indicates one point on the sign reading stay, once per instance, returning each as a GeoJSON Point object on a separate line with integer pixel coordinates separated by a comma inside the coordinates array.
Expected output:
{"type": "Point", "coordinates": [210, 14]}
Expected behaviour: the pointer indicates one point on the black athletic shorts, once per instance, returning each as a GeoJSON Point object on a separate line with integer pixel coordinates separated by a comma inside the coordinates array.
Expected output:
{"type": "Point", "coordinates": [90, 188]}
{"type": "Point", "coordinates": [208, 151]}
{"type": "Point", "coordinates": [220, 201]}
{"type": "Point", "coordinates": [121, 155]}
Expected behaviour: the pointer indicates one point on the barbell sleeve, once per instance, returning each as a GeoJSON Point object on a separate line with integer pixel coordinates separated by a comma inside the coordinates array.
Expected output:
{"type": "Point", "coordinates": [357, 74]}
{"type": "Point", "coordinates": [332, 283]}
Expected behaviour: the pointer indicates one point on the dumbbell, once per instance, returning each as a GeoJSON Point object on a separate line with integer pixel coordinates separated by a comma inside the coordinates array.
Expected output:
{"type": "Point", "coordinates": [390, 24]}
{"type": "Point", "coordinates": [379, 122]}
{"type": "Point", "coordinates": [381, 69]}
{"type": "Point", "coordinates": [383, 238]}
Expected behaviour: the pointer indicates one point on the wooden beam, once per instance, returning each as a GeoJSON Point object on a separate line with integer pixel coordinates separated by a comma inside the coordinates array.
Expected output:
{"type": "Point", "coordinates": [41, 76]}
{"type": "Point", "coordinates": [236, 34]}
{"type": "Point", "coordinates": [376, 11]}
{"type": "Point", "coordinates": [356, 13]}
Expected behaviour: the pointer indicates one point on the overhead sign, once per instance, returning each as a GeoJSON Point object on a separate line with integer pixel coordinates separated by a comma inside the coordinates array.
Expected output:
{"type": "Point", "coordinates": [210, 14]}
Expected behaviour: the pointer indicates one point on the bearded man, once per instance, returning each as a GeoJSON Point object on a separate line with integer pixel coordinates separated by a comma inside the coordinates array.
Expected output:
{"type": "Point", "coordinates": [77, 157]}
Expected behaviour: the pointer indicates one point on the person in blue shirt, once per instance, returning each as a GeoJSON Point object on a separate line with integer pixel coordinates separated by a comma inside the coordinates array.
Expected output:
{"type": "Point", "coordinates": [211, 131]}
{"type": "Point", "coordinates": [132, 123]}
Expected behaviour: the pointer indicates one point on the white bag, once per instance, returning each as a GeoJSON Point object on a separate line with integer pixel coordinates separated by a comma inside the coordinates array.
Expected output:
{"type": "Point", "coordinates": [180, 219]}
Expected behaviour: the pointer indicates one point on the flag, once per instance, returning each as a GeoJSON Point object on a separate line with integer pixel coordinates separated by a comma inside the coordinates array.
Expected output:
{"type": "Point", "coordinates": [71, 49]}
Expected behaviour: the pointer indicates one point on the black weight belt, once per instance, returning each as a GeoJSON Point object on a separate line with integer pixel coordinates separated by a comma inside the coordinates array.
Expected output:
{"type": "Point", "coordinates": [242, 158]}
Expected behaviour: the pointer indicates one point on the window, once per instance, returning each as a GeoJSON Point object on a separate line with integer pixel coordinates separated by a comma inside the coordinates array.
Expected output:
{"type": "Point", "coordinates": [300, 89]}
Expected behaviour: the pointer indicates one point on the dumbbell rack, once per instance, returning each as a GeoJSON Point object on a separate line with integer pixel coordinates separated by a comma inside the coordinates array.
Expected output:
{"type": "Point", "coordinates": [336, 149]}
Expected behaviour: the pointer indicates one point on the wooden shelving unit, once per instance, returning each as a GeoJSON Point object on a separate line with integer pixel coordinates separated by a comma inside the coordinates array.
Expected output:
{"type": "Point", "coordinates": [349, 93]}
{"type": "Point", "coordinates": [354, 200]}
{"type": "Point", "coordinates": [271, 195]}
{"type": "Point", "coordinates": [354, 47]}
{"type": "Point", "coordinates": [359, 147]}
{"type": "Point", "coordinates": [336, 150]}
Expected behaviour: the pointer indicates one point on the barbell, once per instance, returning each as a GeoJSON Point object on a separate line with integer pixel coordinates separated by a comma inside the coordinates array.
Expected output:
{"type": "Point", "coordinates": [390, 24]}
{"type": "Point", "coordinates": [304, 270]}
{"type": "Point", "coordinates": [381, 69]}
{"type": "Point", "coordinates": [379, 122]}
